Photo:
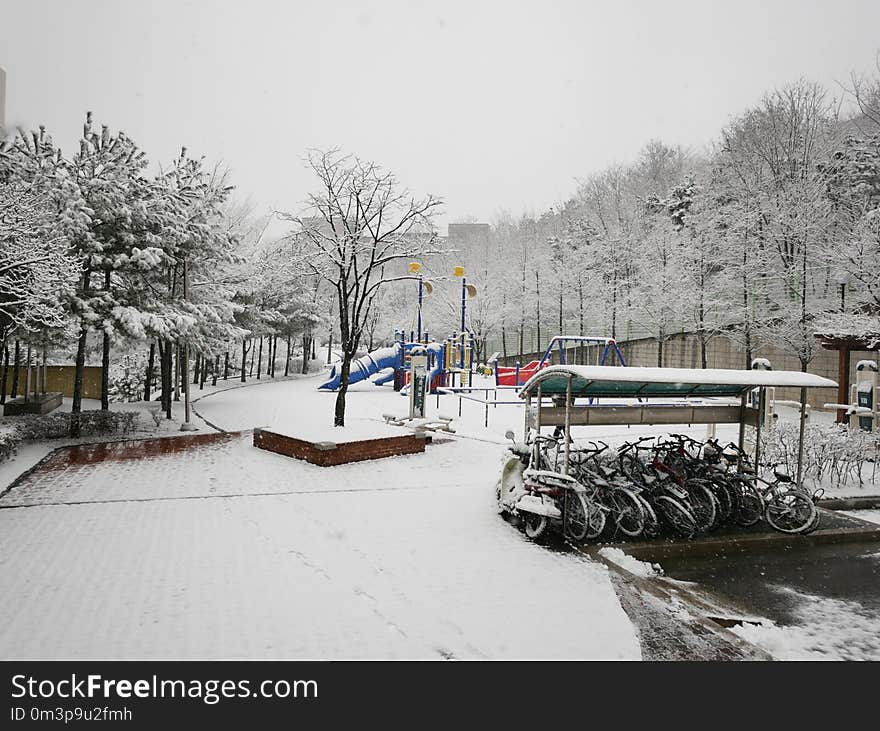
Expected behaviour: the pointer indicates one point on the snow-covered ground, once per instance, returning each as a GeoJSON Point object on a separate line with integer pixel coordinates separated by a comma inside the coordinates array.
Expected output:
{"type": "Point", "coordinates": [826, 628]}
{"type": "Point", "coordinates": [230, 551]}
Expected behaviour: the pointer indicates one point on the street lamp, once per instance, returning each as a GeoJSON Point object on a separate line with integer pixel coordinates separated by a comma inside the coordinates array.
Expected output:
{"type": "Point", "coordinates": [843, 280]}
{"type": "Point", "coordinates": [424, 287]}
{"type": "Point", "coordinates": [467, 290]}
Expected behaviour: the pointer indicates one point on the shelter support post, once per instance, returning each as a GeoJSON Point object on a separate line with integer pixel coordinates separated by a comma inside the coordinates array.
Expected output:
{"type": "Point", "coordinates": [803, 422]}
{"type": "Point", "coordinates": [742, 422]}
{"type": "Point", "coordinates": [567, 425]}
{"type": "Point", "coordinates": [758, 427]}
{"type": "Point", "coordinates": [538, 417]}
{"type": "Point", "coordinates": [842, 381]}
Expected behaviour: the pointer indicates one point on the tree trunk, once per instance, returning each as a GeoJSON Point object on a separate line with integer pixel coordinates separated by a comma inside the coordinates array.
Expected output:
{"type": "Point", "coordinates": [560, 311]}
{"type": "Point", "coordinates": [580, 349]}
{"type": "Point", "coordinates": [260, 358]}
{"type": "Point", "coordinates": [16, 365]}
{"type": "Point", "coordinates": [105, 355]}
{"type": "Point", "coordinates": [5, 374]}
{"type": "Point", "coordinates": [76, 406]}
{"type": "Point", "coordinates": [148, 381]}
{"type": "Point", "coordinates": [243, 358]}
{"type": "Point", "coordinates": [196, 369]}
{"type": "Point", "coordinates": [177, 372]}
{"type": "Point", "coordinates": [747, 330]}
{"type": "Point", "coordinates": [105, 373]}
{"type": "Point", "coordinates": [307, 347]}
{"type": "Point", "coordinates": [659, 352]}
{"type": "Point", "coordinates": [165, 376]}
{"type": "Point", "coordinates": [214, 369]}
{"type": "Point", "coordinates": [202, 375]}
{"type": "Point", "coordinates": [538, 305]}
{"type": "Point", "coordinates": [339, 414]}
{"type": "Point", "coordinates": [287, 362]}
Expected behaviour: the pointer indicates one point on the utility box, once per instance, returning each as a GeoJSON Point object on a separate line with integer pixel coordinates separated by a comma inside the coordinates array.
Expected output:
{"type": "Point", "coordinates": [866, 395]}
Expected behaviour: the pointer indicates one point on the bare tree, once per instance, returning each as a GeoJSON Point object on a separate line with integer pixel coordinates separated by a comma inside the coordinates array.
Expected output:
{"type": "Point", "coordinates": [361, 226]}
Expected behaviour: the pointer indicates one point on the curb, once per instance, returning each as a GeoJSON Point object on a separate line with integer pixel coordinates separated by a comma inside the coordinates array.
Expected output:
{"type": "Point", "coordinates": [861, 502]}
{"type": "Point", "coordinates": [657, 551]}
{"type": "Point", "coordinates": [698, 609]}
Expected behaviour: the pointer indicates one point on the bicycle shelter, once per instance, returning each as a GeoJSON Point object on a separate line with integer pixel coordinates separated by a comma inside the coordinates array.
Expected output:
{"type": "Point", "coordinates": [645, 385]}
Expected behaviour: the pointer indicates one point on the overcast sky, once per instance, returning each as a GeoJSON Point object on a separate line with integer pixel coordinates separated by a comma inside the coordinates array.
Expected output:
{"type": "Point", "coordinates": [487, 104]}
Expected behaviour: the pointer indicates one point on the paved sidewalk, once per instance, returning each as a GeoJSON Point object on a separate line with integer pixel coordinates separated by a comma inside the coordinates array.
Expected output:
{"type": "Point", "coordinates": [228, 551]}
{"type": "Point", "coordinates": [669, 632]}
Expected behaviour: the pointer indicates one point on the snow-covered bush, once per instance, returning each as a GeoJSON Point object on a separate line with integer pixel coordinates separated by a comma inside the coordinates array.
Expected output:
{"type": "Point", "coordinates": [833, 454]}
{"type": "Point", "coordinates": [8, 444]}
{"type": "Point", "coordinates": [127, 379]}
{"type": "Point", "coordinates": [57, 426]}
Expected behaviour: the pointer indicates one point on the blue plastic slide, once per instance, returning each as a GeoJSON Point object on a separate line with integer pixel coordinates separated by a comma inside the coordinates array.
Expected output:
{"type": "Point", "coordinates": [363, 367]}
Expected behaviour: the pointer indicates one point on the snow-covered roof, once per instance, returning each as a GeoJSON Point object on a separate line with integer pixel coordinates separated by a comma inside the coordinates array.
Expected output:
{"type": "Point", "coordinates": [633, 381]}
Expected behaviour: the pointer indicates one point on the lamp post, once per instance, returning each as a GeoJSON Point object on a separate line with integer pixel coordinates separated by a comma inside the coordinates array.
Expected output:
{"type": "Point", "coordinates": [187, 425]}
{"type": "Point", "coordinates": [843, 280]}
{"type": "Point", "coordinates": [467, 290]}
{"type": "Point", "coordinates": [425, 287]}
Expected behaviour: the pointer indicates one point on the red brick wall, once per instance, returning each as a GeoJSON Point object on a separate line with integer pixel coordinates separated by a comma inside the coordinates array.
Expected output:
{"type": "Point", "coordinates": [340, 453]}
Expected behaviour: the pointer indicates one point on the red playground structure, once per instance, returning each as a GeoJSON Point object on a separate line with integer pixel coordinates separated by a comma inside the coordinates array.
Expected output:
{"type": "Point", "coordinates": [517, 375]}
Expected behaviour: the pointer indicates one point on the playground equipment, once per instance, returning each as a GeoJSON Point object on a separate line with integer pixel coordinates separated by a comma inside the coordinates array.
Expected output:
{"type": "Point", "coordinates": [517, 375]}
{"type": "Point", "coordinates": [447, 362]}
{"type": "Point", "coordinates": [362, 368]}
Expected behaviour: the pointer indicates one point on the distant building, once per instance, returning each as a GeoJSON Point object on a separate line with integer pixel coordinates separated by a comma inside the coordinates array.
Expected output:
{"type": "Point", "coordinates": [468, 232]}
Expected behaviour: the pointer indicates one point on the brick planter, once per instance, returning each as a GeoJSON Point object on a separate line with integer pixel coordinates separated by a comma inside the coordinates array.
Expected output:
{"type": "Point", "coordinates": [41, 403]}
{"type": "Point", "coordinates": [328, 454]}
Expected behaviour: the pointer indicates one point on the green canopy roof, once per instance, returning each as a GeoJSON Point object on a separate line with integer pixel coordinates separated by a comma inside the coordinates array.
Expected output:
{"type": "Point", "coordinates": [632, 382]}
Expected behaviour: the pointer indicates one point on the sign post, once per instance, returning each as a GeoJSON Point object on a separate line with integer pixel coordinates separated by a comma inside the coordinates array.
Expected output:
{"type": "Point", "coordinates": [418, 383]}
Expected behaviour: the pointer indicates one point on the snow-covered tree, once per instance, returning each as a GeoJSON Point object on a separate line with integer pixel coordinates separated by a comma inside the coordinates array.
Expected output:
{"type": "Point", "coordinates": [359, 226]}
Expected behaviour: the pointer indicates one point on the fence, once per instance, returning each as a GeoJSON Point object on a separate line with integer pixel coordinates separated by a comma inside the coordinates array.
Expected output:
{"type": "Point", "coordinates": [60, 378]}
{"type": "Point", "coordinates": [683, 351]}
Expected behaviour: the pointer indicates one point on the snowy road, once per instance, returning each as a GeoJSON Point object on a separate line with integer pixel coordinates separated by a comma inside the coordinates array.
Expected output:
{"type": "Point", "coordinates": [227, 551]}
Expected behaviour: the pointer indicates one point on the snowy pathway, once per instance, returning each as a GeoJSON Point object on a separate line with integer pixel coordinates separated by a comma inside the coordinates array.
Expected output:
{"type": "Point", "coordinates": [229, 551]}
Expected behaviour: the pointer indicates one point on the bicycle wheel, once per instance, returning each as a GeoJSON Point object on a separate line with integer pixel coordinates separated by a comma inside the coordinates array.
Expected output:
{"type": "Point", "coordinates": [726, 498]}
{"type": "Point", "coordinates": [751, 505]}
{"type": "Point", "coordinates": [703, 505]}
{"type": "Point", "coordinates": [596, 518]}
{"type": "Point", "coordinates": [535, 526]}
{"type": "Point", "coordinates": [627, 512]}
{"type": "Point", "coordinates": [791, 512]}
{"type": "Point", "coordinates": [577, 512]}
{"type": "Point", "coordinates": [652, 525]}
{"type": "Point", "coordinates": [677, 515]}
